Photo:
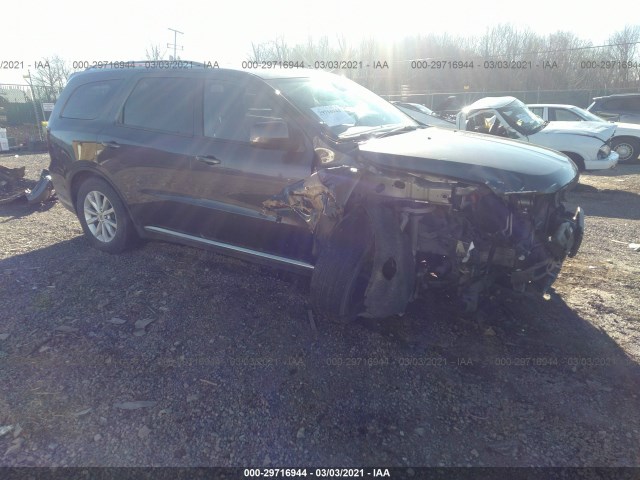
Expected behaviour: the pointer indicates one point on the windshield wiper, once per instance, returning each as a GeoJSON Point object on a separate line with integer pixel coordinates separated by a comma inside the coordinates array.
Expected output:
{"type": "Point", "coordinates": [381, 131]}
{"type": "Point", "coordinates": [405, 128]}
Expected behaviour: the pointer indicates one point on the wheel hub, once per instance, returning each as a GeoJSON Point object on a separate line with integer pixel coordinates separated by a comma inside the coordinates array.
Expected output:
{"type": "Point", "coordinates": [624, 150]}
{"type": "Point", "coordinates": [100, 216]}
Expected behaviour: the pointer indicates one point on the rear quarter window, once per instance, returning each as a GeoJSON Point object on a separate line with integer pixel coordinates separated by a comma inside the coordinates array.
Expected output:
{"type": "Point", "coordinates": [88, 100]}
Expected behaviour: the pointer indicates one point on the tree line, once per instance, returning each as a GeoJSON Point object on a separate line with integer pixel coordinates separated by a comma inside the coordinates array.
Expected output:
{"type": "Point", "coordinates": [503, 59]}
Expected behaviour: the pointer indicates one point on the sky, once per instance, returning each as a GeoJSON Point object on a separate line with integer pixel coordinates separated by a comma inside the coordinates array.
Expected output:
{"type": "Point", "coordinates": [223, 31]}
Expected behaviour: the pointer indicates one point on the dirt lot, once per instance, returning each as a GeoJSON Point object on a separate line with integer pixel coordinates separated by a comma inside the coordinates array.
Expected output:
{"type": "Point", "coordinates": [224, 367]}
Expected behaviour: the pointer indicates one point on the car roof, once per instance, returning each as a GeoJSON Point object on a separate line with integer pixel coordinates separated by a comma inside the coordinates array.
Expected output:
{"type": "Point", "coordinates": [165, 67]}
{"type": "Point", "coordinates": [616, 95]}
{"type": "Point", "coordinates": [491, 102]}
{"type": "Point", "coordinates": [555, 105]}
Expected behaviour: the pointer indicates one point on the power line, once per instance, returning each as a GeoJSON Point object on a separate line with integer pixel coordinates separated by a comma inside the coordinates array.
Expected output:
{"type": "Point", "coordinates": [533, 53]}
{"type": "Point", "coordinates": [579, 48]}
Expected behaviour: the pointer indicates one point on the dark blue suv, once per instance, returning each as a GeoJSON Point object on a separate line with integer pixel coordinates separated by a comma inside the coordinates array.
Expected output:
{"type": "Point", "coordinates": [308, 171]}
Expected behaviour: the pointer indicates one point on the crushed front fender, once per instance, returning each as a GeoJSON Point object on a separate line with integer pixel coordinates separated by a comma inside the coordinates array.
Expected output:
{"type": "Point", "coordinates": [322, 194]}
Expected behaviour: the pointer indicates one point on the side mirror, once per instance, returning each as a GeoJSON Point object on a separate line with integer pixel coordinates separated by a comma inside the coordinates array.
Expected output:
{"type": "Point", "coordinates": [274, 133]}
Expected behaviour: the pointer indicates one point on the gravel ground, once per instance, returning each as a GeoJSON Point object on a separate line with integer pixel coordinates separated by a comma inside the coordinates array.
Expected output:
{"type": "Point", "coordinates": [173, 356]}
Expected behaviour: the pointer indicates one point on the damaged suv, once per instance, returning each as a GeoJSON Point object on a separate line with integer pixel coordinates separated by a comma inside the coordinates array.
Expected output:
{"type": "Point", "coordinates": [311, 172]}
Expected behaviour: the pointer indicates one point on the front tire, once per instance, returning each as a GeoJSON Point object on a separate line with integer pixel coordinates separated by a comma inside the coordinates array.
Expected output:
{"type": "Point", "coordinates": [103, 216]}
{"type": "Point", "coordinates": [627, 148]}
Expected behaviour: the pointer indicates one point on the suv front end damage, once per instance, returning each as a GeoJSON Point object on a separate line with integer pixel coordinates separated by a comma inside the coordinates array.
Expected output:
{"type": "Point", "coordinates": [434, 231]}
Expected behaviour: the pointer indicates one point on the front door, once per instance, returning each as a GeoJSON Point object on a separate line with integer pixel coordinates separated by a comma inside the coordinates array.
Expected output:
{"type": "Point", "coordinates": [233, 175]}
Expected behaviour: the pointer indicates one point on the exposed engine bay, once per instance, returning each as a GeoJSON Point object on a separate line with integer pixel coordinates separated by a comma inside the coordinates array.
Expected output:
{"type": "Point", "coordinates": [519, 240]}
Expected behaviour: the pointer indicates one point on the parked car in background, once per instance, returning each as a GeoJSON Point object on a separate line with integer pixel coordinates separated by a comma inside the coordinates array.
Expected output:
{"type": "Point", "coordinates": [626, 140]}
{"type": "Point", "coordinates": [586, 143]}
{"type": "Point", "coordinates": [622, 107]}
{"type": "Point", "coordinates": [424, 115]}
{"type": "Point", "coordinates": [309, 171]}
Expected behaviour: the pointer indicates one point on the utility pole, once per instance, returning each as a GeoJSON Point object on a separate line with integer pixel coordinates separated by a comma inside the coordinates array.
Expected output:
{"type": "Point", "coordinates": [33, 102]}
{"type": "Point", "coordinates": [175, 42]}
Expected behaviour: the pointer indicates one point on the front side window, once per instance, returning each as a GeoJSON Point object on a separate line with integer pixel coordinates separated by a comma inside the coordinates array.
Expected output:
{"type": "Point", "coordinates": [232, 110]}
{"type": "Point", "coordinates": [165, 104]}
{"type": "Point", "coordinates": [87, 101]}
{"type": "Point", "coordinates": [563, 115]}
{"type": "Point", "coordinates": [634, 104]}
{"type": "Point", "coordinates": [538, 111]}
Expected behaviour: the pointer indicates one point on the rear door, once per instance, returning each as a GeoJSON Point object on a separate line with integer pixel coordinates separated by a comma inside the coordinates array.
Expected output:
{"type": "Point", "coordinates": [148, 149]}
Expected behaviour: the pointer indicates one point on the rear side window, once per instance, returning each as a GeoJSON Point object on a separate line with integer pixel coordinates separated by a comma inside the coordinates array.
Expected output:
{"type": "Point", "coordinates": [165, 104]}
{"type": "Point", "coordinates": [634, 104]}
{"type": "Point", "coordinates": [87, 101]}
{"type": "Point", "coordinates": [614, 104]}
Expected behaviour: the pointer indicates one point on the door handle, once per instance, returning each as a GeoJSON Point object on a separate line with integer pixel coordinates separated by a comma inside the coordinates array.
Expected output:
{"type": "Point", "coordinates": [208, 159]}
{"type": "Point", "coordinates": [110, 144]}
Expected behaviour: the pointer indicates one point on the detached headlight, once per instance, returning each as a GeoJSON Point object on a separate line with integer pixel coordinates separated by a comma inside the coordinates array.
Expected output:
{"type": "Point", "coordinates": [604, 151]}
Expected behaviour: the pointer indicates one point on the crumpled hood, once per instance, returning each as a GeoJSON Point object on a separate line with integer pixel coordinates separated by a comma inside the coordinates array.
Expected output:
{"type": "Point", "coordinates": [505, 166]}
{"type": "Point", "coordinates": [600, 130]}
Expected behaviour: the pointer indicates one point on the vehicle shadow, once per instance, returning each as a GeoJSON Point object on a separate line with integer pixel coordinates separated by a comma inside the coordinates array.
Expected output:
{"type": "Point", "coordinates": [516, 376]}
{"type": "Point", "coordinates": [20, 208]}
{"type": "Point", "coordinates": [622, 169]}
{"type": "Point", "coordinates": [228, 353]}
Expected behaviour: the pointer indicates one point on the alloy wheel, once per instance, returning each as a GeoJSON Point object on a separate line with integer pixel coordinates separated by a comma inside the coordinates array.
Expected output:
{"type": "Point", "coordinates": [100, 216]}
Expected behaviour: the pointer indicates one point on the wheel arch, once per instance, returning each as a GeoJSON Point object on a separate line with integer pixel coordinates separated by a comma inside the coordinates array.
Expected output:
{"type": "Point", "coordinates": [82, 175]}
{"type": "Point", "coordinates": [577, 159]}
{"type": "Point", "coordinates": [392, 281]}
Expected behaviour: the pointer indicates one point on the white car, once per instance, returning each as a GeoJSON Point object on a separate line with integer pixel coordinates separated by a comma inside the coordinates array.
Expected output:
{"type": "Point", "coordinates": [424, 115]}
{"type": "Point", "coordinates": [626, 141]}
{"type": "Point", "coordinates": [586, 143]}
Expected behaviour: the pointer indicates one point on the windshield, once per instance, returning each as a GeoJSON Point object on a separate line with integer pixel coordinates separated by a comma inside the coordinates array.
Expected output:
{"type": "Point", "coordinates": [343, 106]}
{"type": "Point", "coordinates": [587, 115]}
{"type": "Point", "coordinates": [521, 118]}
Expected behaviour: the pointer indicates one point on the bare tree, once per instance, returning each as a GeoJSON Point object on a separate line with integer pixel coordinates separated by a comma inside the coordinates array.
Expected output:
{"type": "Point", "coordinates": [50, 77]}
{"type": "Point", "coordinates": [281, 50]}
{"type": "Point", "coordinates": [624, 48]}
{"type": "Point", "coordinates": [275, 50]}
{"type": "Point", "coordinates": [504, 59]}
{"type": "Point", "coordinates": [153, 53]}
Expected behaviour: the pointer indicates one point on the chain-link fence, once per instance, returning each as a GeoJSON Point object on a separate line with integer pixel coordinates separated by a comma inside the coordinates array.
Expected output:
{"type": "Point", "coordinates": [24, 111]}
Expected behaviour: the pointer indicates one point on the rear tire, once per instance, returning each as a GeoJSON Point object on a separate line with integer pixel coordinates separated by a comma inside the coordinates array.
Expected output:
{"type": "Point", "coordinates": [627, 148]}
{"type": "Point", "coordinates": [343, 270]}
{"type": "Point", "coordinates": [103, 216]}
